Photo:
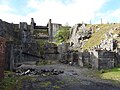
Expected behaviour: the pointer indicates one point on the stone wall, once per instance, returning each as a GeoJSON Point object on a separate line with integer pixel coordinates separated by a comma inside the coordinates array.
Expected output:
{"type": "Point", "coordinates": [86, 59]}
{"type": "Point", "coordinates": [9, 62]}
{"type": "Point", "coordinates": [83, 59]}
{"type": "Point", "coordinates": [101, 59]}
{"type": "Point", "coordinates": [8, 30]}
{"type": "Point", "coordinates": [117, 57]}
{"type": "Point", "coordinates": [30, 52]}
{"type": "Point", "coordinates": [105, 59]}
{"type": "Point", "coordinates": [51, 51]}
{"type": "Point", "coordinates": [80, 59]}
{"type": "Point", "coordinates": [63, 50]}
{"type": "Point", "coordinates": [2, 57]}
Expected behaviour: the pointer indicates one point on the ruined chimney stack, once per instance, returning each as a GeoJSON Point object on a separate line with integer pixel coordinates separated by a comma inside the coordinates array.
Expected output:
{"type": "Point", "coordinates": [50, 30]}
{"type": "Point", "coordinates": [32, 25]}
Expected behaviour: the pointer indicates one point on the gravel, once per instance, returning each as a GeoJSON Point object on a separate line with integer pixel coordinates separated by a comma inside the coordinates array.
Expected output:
{"type": "Point", "coordinates": [73, 78]}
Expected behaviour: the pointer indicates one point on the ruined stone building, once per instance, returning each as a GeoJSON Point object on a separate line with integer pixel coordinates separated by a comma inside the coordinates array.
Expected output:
{"type": "Point", "coordinates": [20, 43]}
{"type": "Point", "coordinates": [22, 40]}
{"type": "Point", "coordinates": [45, 32]}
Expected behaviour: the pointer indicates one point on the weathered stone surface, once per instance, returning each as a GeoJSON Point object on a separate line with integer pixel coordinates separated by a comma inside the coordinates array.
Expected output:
{"type": "Point", "coordinates": [51, 56]}
{"type": "Point", "coordinates": [63, 48]}
{"type": "Point", "coordinates": [80, 59]}
{"type": "Point", "coordinates": [50, 48]}
{"type": "Point", "coordinates": [78, 35]}
{"type": "Point", "coordinates": [64, 54]}
{"type": "Point", "coordinates": [9, 56]}
{"type": "Point", "coordinates": [51, 51]}
{"type": "Point", "coordinates": [117, 57]}
{"type": "Point", "coordinates": [8, 30]}
{"type": "Point", "coordinates": [2, 57]}
{"type": "Point", "coordinates": [104, 60]}
{"type": "Point", "coordinates": [86, 59]}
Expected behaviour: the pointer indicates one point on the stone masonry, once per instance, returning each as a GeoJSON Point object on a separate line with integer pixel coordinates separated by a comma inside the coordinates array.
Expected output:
{"type": "Point", "coordinates": [103, 59]}
{"type": "Point", "coordinates": [2, 57]}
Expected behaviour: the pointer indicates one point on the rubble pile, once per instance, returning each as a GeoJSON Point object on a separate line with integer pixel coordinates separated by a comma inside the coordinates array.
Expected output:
{"type": "Point", "coordinates": [43, 72]}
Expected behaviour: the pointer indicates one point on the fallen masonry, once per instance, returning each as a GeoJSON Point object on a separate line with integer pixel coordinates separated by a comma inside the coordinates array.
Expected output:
{"type": "Point", "coordinates": [44, 72]}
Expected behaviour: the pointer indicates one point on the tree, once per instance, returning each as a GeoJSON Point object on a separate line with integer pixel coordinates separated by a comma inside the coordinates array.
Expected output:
{"type": "Point", "coordinates": [62, 34]}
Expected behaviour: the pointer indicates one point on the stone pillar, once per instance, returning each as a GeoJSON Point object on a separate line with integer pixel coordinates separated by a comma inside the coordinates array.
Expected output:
{"type": "Point", "coordinates": [9, 55]}
{"type": "Point", "coordinates": [80, 59]}
{"type": "Point", "coordinates": [50, 30]}
{"type": "Point", "coordinates": [103, 59]}
{"type": "Point", "coordinates": [23, 26]}
{"type": "Point", "coordinates": [23, 29]}
{"type": "Point", "coordinates": [2, 57]}
{"type": "Point", "coordinates": [32, 25]}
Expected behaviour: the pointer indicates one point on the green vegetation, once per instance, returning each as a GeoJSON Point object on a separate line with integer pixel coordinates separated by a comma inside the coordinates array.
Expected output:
{"type": "Point", "coordinates": [45, 84]}
{"type": "Point", "coordinates": [107, 74]}
{"type": "Point", "coordinates": [41, 46]}
{"type": "Point", "coordinates": [11, 82]}
{"type": "Point", "coordinates": [56, 87]}
{"type": "Point", "coordinates": [60, 82]}
{"type": "Point", "coordinates": [62, 34]}
{"type": "Point", "coordinates": [112, 74]}
{"type": "Point", "coordinates": [98, 35]}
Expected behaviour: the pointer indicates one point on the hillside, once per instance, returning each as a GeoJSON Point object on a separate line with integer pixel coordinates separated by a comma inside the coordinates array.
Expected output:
{"type": "Point", "coordinates": [99, 34]}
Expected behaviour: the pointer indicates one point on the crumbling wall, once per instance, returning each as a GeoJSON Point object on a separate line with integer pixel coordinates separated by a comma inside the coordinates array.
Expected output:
{"type": "Point", "coordinates": [79, 35]}
{"type": "Point", "coordinates": [117, 57]}
{"type": "Point", "coordinates": [63, 50]}
{"type": "Point", "coordinates": [104, 60]}
{"type": "Point", "coordinates": [86, 59]}
{"type": "Point", "coordinates": [2, 57]}
{"type": "Point", "coordinates": [30, 52]}
{"type": "Point", "coordinates": [8, 30]}
{"type": "Point", "coordinates": [50, 51]}
{"type": "Point", "coordinates": [9, 62]}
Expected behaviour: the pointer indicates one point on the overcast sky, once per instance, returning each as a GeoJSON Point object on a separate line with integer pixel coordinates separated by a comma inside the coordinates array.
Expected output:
{"type": "Point", "coordinates": [60, 11]}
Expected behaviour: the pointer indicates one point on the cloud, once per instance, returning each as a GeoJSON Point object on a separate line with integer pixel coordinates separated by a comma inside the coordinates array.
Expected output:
{"type": "Point", "coordinates": [71, 11]}
{"type": "Point", "coordinates": [5, 8]}
{"type": "Point", "coordinates": [74, 12]}
{"type": "Point", "coordinates": [111, 16]}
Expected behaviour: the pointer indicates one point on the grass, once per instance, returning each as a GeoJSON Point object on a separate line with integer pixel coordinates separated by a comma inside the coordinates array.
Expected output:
{"type": "Point", "coordinates": [12, 82]}
{"type": "Point", "coordinates": [112, 74]}
{"type": "Point", "coordinates": [98, 35]}
{"type": "Point", "coordinates": [8, 84]}
{"type": "Point", "coordinates": [45, 84]}
{"type": "Point", "coordinates": [48, 84]}
{"type": "Point", "coordinates": [56, 87]}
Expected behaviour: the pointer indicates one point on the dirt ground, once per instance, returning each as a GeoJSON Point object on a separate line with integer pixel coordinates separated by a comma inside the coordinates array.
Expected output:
{"type": "Point", "coordinates": [73, 78]}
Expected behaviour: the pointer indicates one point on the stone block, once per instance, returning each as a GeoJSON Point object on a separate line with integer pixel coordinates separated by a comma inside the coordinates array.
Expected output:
{"type": "Point", "coordinates": [105, 60]}
{"type": "Point", "coordinates": [51, 48]}
{"type": "Point", "coordinates": [105, 63]}
{"type": "Point", "coordinates": [105, 54]}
